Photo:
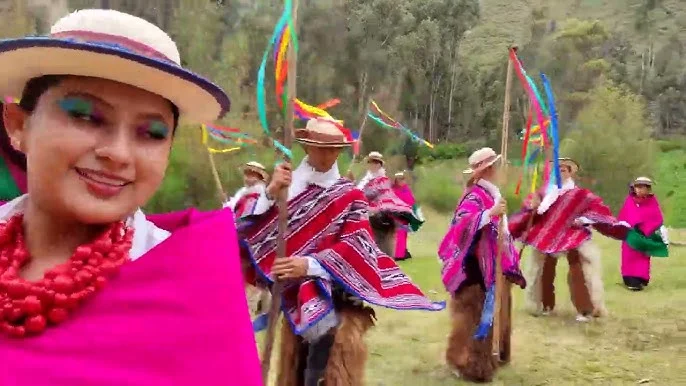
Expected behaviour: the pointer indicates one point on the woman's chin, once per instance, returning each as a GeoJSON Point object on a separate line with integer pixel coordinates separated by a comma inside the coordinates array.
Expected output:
{"type": "Point", "coordinates": [92, 210]}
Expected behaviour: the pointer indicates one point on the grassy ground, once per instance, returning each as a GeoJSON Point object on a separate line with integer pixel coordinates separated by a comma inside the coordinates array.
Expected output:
{"type": "Point", "coordinates": [642, 341]}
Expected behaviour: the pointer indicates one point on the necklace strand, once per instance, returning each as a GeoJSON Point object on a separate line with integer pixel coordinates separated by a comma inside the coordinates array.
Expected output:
{"type": "Point", "coordinates": [29, 307]}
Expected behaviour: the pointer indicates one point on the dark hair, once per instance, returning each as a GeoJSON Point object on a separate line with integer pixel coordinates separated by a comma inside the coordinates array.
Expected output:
{"type": "Point", "coordinates": [13, 155]}
{"type": "Point", "coordinates": [36, 87]}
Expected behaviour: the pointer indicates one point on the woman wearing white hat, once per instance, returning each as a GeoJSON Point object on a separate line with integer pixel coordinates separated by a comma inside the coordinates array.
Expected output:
{"type": "Point", "coordinates": [648, 236]}
{"type": "Point", "coordinates": [93, 291]}
{"type": "Point", "coordinates": [388, 212]}
{"type": "Point", "coordinates": [255, 178]}
{"type": "Point", "coordinates": [468, 253]}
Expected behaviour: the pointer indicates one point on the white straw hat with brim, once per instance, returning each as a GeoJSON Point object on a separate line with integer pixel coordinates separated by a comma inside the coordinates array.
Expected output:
{"type": "Point", "coordinates": [481, 160]}
{"type": "Point", "coordinates": [116, 46]}
{"type": "Point", "coordinates": [573, 165]}
{"type": "Point", "coordinates": [320, 132]}
{"type": "Point", "coordinates": [375, 156]}
{"type": "Point", "coordinates": [399, 175]}
{"type": "Point", "coordinates": [257, 168]}
{"type": "Point", "coordinates": [643, 181]}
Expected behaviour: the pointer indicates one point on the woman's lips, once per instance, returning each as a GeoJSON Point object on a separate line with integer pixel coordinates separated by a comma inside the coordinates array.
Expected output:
{"type": "Point", "coordinates": [101, 184]}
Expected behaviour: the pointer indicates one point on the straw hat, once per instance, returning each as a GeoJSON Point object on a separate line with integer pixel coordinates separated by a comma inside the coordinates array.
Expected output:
{"type": "Point", "coordinates": [570, 163]}
{"type": "Point", "coordinates": [375, 156]}
{"type": "Point", "coordinates": [321, 132]}
{"type": "Point", "coordinates": [256, 167]}
{"type": "Point", "coordinates": [399, 175]}
{"type": "Point", "coordinates": [481, 159]}
{"type": "Point", "coordinates": [643, 181]}
{"type": "Point", "coordinates": [117, 46]}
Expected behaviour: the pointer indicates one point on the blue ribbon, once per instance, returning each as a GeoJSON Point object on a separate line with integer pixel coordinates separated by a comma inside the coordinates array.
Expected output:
{"type": "Point", "coordinates": [555, 135]}
{"type": "Point", "coordinates": [486, 321]}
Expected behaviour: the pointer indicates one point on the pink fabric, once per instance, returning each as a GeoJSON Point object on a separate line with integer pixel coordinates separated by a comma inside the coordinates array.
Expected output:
{"type": "Point", "coordinates": [404, 193]}
{"type": "Point", "coordinates": [462, 234]}
{"type": "Point", "coordinates": [647, 215]}
{"type": "Point", "coordinates": [176, 316]}
{"type": "Point", "coordinates": [400, 242]}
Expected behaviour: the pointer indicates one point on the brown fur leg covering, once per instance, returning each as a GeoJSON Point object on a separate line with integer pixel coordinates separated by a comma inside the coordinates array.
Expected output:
{"type": "Point", "coordinates": [349, 352]}
{"type": "Point", "coordinates": [290, 357]}
{"type": "Point", "coordinates": [548, 283]}
{"type": "Point", "coordinates": [506, 325]}
{"type": "Point", "coordinates": [581, 298]}
{"type": "Point", "coordinates": [472, 358]}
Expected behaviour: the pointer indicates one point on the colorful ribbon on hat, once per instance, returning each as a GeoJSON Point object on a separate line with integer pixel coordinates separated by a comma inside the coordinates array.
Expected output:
{"type": "Point", "coordinates": [9, 99]}
{"type": "Point", "coordinates": [384, 120]}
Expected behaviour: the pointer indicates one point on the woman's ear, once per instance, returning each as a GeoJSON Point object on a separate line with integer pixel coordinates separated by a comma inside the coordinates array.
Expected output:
{"type": "Point", "coordinates": [15, 119]}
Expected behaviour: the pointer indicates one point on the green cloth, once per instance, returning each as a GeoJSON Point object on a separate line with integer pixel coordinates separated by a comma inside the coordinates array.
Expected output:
{"type": "Point", "coordinates": [8, 188]}
{"type": "Point", "coordinates": [417, 219]}
{"type": "Point", "coordinates": [652, 245]}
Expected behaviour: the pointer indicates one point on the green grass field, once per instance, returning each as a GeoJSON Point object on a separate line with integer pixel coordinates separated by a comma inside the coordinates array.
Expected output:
{"type": "Point", "coordinates": [643, 340]}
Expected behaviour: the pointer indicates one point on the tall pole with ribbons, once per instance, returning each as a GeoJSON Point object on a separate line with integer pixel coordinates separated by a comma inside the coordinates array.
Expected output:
{"type": "Point", "coordinates": [503, 310]}
{"type": "Point", "coordinates": [282, 200]}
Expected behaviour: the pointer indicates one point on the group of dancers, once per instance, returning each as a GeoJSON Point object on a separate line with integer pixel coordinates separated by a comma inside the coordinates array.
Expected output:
{"type": "Point", "coordinates": [93, 291]}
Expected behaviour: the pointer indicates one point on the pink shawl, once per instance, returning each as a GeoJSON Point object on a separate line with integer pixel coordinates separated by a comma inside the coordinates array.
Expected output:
{"type": "Point", "coordinates": [644, 212]}
{"type": "Point", "coordinates": [176, 316]}
{"type": "Point", "coordinates": [404, 193]}
{"type": "Point", "coordinates": [462, 234]}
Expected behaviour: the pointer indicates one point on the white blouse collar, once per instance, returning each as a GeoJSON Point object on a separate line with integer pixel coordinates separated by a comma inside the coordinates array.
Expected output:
{"type": "Point", "coordinates": [146, 235]}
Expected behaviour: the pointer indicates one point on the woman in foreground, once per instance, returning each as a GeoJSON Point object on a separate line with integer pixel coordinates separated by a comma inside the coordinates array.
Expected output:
{"type": "Point", "coordinates": [93, 292]}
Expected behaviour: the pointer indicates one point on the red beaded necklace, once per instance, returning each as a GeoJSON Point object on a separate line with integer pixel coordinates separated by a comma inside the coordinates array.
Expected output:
{"type": "Point", "coordinates": [27, 308]}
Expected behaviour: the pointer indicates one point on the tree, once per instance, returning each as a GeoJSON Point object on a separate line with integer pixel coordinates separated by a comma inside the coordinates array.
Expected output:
{"type": "Point", "coordinates": [611, 141]}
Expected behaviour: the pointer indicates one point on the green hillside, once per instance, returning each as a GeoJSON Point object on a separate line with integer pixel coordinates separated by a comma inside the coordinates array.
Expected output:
{"type": "Point", "coordinates": [506, 22]}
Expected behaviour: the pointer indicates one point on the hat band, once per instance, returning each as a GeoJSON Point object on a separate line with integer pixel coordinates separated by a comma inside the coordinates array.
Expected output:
{"type": "Point", "coordinates": [113, 40]}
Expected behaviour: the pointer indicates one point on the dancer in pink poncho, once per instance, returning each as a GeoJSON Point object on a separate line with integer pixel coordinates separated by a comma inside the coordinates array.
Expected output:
{"type": "Point", "coordinates": [92, 291]}
{"type": "Point", "coordinates": [469, 255]}
{"type": "Point", "coordinates": [648, 236]}
{"type": "Point", "coordinates": [403, 191]}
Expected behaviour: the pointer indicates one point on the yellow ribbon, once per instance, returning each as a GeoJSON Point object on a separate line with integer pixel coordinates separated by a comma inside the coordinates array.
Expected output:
{"type": "Point", "coordinates": [205, 136]}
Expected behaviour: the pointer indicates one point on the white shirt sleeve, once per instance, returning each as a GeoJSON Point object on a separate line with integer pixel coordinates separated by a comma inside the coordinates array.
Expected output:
{"type": "Point", "coordinates": [231, 203]}
{"type": "Point", "coordinates": [263, 204]}
{"type": "Point", "coordinates": [314, 269]}
{"type": "Point", "coordinates": [485, 219]}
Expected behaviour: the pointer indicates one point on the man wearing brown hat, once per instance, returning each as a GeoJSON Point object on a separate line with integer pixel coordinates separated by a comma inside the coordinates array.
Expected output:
{"type": "Point", "coordinates": [333, 267]}
{"type": "Point", "coordinates": [561, 218]}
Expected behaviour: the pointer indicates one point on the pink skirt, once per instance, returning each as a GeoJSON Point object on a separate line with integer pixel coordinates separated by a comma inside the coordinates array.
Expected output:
{"type": "Point", "coordinates": [635, 263]}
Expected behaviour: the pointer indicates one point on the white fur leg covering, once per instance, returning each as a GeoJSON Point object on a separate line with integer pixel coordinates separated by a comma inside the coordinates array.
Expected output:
{"type": "Point", "coordinates": [534, 297]}
{"type": "Point", "coordinates": [593, 273]}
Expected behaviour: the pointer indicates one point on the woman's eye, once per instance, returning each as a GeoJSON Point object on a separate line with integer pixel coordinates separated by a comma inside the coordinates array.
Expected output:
{"type": "Point", "coordinates": [154, 130]}
{"type": "Point", "coordinates": [81, 109]}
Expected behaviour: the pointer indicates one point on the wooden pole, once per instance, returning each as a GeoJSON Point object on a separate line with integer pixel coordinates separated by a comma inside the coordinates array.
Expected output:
{"type": "Point", "coordinates": [217, 180]}
{"type": "Point", "coordinates": [275, 309]}
{"type": "Point", "coordinates": [501, 289]}
{"type": "Point", "coordinates": [359, 141]}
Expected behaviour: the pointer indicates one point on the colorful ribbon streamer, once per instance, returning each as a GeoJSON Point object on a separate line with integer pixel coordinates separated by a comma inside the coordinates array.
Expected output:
{"type": "Point", "coordinates": [284, 20]}
{"type": "Point", "coordinates": [228, 136]}
{"type": "Point", "coordinates": [390, 123]}
{"type": "Point", "coordinates": [555, 135]}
